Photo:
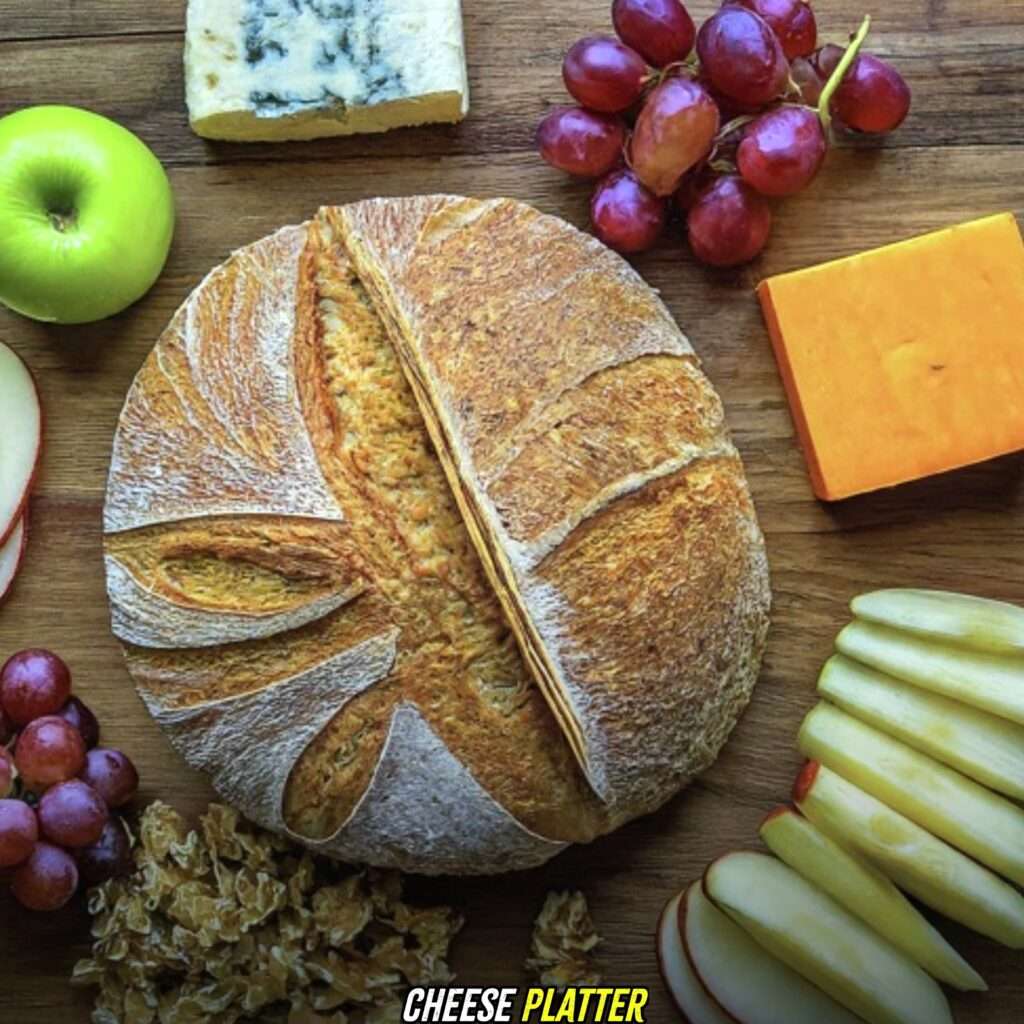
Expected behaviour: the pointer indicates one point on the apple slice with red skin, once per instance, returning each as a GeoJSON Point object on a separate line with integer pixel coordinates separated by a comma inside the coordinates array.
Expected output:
{"type": "Point", "coordinates": [21, 438]}
{"type": "Point", "coordinates": [11, 554]}
{"type": "Point", "coordinates": [689, 995]}
{"type": "Point", "coordinates": [745, 980]}
{"type": "Point", "coordinates": [934, 872]}
{"type": "Point", "coordinates": [811, 933]}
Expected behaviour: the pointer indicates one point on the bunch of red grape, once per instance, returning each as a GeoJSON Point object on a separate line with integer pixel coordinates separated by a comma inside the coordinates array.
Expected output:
{"type": "Point", "coordinates": [58, 788]}
{"type": "Point", "coordinates": [715, 135]}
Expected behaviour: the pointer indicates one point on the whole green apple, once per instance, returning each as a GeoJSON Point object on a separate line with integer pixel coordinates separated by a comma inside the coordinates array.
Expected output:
{"type": "Point", "coordinates": [86, 215]}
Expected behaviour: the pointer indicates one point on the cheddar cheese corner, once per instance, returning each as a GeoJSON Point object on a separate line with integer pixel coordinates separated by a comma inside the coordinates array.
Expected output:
{"type": "Point", "coordinates": [907, 360]}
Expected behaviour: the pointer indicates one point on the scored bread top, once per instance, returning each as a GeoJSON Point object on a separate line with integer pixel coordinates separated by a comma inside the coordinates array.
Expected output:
{"type": "Point", "coordinates": [592, 463]}
{"type": "Point", "coordinates": [218, 459]}
{"type": "Point", "coordinates": [427, 541]}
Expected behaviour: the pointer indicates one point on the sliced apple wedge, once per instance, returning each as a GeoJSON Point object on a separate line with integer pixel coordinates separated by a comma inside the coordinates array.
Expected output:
{"type": "Point", "coordinates": [976, 622]}
{"type": "Point", "coordinates": [949, 805]}
{"type": "Point", "coordinates": [985, 747]}
{"type": "Point", "coordinates": [11, 554]}
{"type": "Point", "coordinates": [810, 932]}
{"type": "Point", "coordinates": [933, 871]}
{"type": "Point", "coordinates": [992, 682]}
{"type": "Point", "coordinates": [683, 985]}
{"type": "Point", "coordinates": [749, 984]}
{"type": "Point", "coordinates": [866, 893]}
{"type": "Point", "coordinates": [21, 433]}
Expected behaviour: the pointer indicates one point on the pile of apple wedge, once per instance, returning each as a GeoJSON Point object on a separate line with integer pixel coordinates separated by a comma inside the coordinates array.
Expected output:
{"type": "Point", "coordinates": [21, 436]}
{"type": "Point", "coordinates": [917, 759]}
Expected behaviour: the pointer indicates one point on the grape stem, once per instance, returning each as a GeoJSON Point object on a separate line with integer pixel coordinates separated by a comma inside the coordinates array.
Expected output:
{"type": "Point", "coordinates": [678, 68]}
{"type": "Point", "coordinates": [734, 125]}
{"type": "Point", "coordinates": [824, 104]}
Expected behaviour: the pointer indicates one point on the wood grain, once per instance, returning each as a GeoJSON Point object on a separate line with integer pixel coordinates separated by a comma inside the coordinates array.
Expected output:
{"type": "Point", "coordinates": [957, 157]}
{"type": "Point", "coordinates": [963, 77]}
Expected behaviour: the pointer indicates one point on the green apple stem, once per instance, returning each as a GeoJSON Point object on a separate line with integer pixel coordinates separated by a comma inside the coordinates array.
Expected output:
{"type": "Point", "coordinates": [63, 220]}
{"type": "Point", "coordinates": [824, 113]}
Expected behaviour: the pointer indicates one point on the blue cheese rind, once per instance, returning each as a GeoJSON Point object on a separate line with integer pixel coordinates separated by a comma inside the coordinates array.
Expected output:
{"type": "Point", "coordinates": [272, 70]}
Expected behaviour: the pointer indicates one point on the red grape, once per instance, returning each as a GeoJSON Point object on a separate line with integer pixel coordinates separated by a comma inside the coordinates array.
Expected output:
{"type": "Point", "coordinates": [32, 684]}
{"type": "Point", "coordinates": [806, 78]}
{"type": "Point", "coordinates": [6, 726]}
{"type": "Point", "coordinates": [742, 56]}
{"type": "Point", "coordinates": [694, 182]}
{"type": "Point", "coordinates": [792, 21]}
{"type": "Point", "coordinates": [661, 31]}
{"type": "Point", "coordinates": [6, 773]}
{"type": "Point", "coordinates": [78, 714]}
{"type": "Point", "coordinates": [19, 830]}
{"type": "Point", "coordinates": [111, 774]}
{"type": "Point", "coordinates": [49, 750]}
{"type": "Point", "coordinates": [626, 215]}
{"type": "Point", "coordinates": [604, 75]}
{"type": "Point", "coordinates": [727, 106]}
{"type": "Point", "coordinates": [675, 130]}
{"type": "Point", "coordinates": [72, 814]}
{"type": "Point", "coordinates": [581, 142]}
{"type": "Point", "coordinates": [109, 857]}
{"type": "Point", "coordinates": [782, 151]}
{"type": "Point", "coordinates": [826, 60]}
{"type": "Point", "coordinates": [872, 97]}
{"type": "Point", "coordinates": [47, 880]}
{"type": "Point", "coordinates": [729, 223]}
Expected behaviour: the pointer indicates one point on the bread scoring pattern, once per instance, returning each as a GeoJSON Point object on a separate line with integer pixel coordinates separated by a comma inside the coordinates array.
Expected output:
{"type": "Point", "coordinates": [503, 315]}
{"type": "Point", "coordinates": [371, 486]}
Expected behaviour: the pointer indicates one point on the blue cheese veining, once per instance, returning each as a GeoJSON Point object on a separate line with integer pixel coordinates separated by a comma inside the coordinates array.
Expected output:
{"type": "Point", "coordinates": [267, 70]}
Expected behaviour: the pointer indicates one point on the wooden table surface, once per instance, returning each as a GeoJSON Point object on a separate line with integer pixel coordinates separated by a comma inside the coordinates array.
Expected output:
{"type": "Point", "coordinates": [960, 155]}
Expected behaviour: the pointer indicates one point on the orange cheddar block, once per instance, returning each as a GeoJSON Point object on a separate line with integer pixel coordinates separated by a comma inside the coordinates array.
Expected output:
{"type": "Point", "coordinates": [907, 360]}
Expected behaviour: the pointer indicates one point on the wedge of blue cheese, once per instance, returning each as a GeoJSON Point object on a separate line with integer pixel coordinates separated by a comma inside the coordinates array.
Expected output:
{"type": "Point", "coordinates": [270, 70]}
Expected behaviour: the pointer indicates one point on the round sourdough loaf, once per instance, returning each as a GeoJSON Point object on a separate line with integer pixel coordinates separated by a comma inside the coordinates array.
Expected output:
{"type": "Point", "coordinates": [426, 539]}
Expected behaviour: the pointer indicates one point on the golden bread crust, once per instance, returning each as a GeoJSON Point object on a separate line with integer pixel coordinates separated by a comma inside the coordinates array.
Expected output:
{"type": "Point", "coordinates": [523, 596]}
{"type": "Point", "coordinates": [558, 388]}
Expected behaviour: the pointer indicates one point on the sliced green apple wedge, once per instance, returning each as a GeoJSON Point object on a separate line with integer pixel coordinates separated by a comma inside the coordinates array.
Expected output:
{"type": "Point", "coordinates": [949, 805]}
{"type": "Point", "coordinates": [987, 748]}
{"type": "Point", "coordinates": [814, 935]}
{"type": "Point", "coordinates": [992, 682]}
{"type": "Point", "coordinates": [866, 893]}
{"type": "Point", "coordinates": [683, 985]}
{"type": "Point", "coordinates": [927, 868]}
{"type": "Point", "coordinates": [976, 622]}
{"type": "Point", "coordinates": [749, 984]}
